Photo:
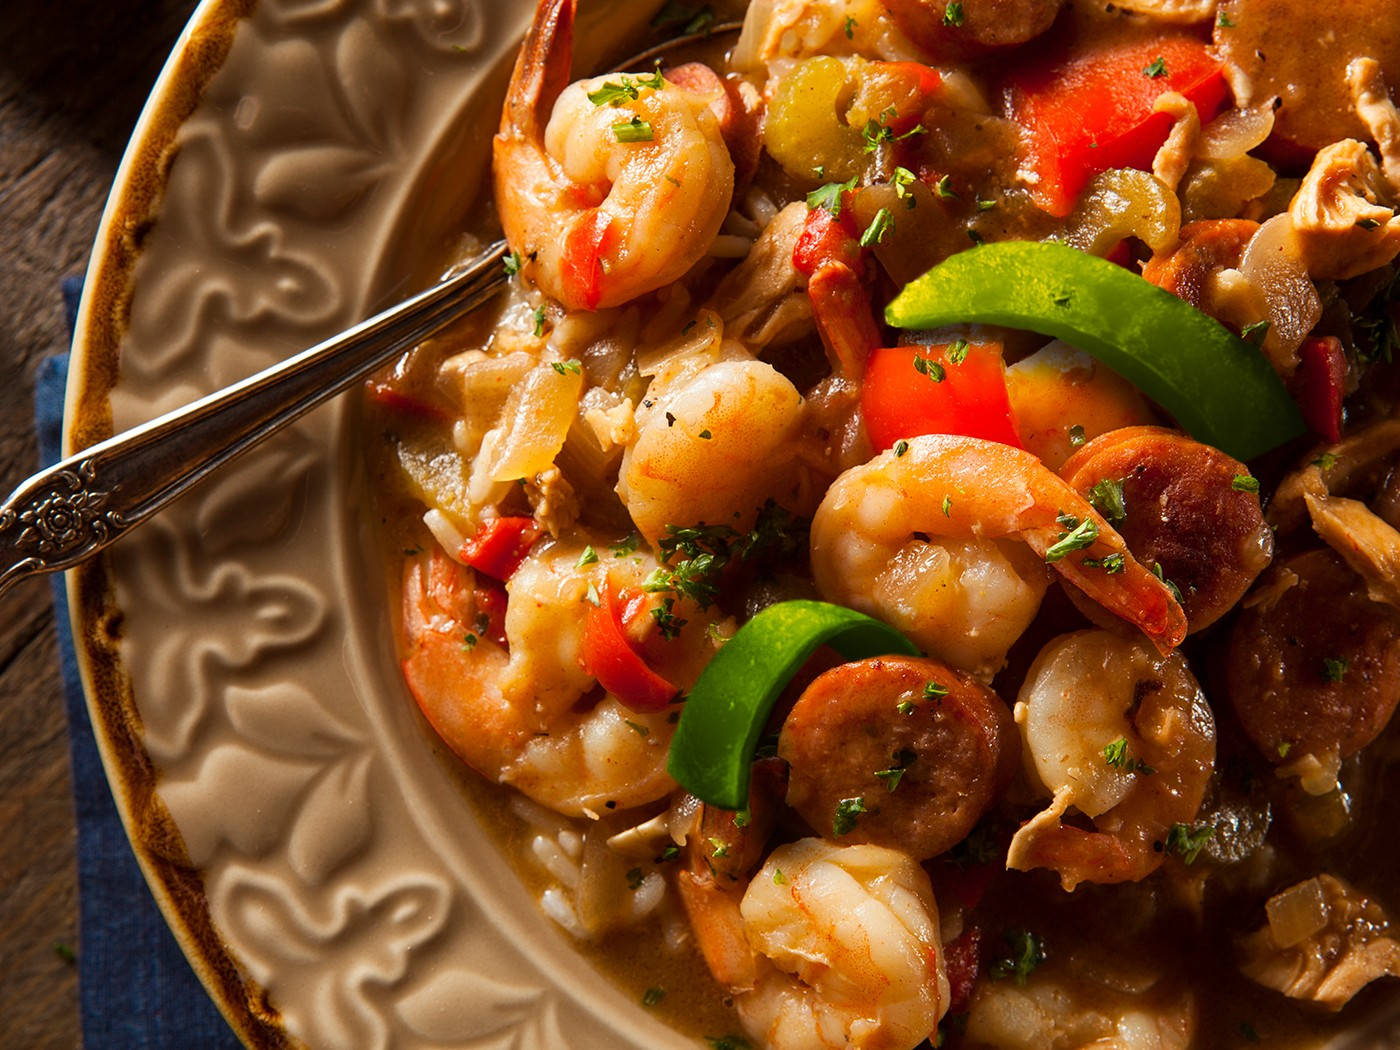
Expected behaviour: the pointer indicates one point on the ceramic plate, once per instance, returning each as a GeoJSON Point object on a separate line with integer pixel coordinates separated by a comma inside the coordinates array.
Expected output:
{"type": "Point", "coordinates": [301, 162]}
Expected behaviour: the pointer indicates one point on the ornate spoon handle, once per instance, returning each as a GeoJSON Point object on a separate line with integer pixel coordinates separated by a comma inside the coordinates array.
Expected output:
{"type": "Point", "coordinates": [63, 515]}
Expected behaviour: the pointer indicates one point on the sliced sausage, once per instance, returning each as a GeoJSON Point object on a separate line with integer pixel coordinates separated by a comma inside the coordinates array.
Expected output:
{"type": "Point", "coordinates": [925, 750]}
{"type": "Point", "coordinates": [1188, 507]}
{"type": "Point", "coordinates": [980, 25]}
{"type": "Point", "coordinates": [1206, 248]}
{"type": "Point", "coordinates": [1314, 667]}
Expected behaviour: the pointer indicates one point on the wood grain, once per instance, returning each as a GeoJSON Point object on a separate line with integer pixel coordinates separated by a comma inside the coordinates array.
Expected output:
{"type": "Point", "coordinates": [73, 77]}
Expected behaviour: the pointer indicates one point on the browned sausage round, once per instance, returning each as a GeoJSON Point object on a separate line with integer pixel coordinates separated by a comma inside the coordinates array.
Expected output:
{"type": "Point", "coordinates": [1206, 247]}
{"type": "Point", "coordinates": [925, 749]}
{"type": "Point", "coordinates": [984, 24]}
{"type": "Point", "coordinates": [1185, 510]}
{"type": "Point", "coordinates": [1314, 667]}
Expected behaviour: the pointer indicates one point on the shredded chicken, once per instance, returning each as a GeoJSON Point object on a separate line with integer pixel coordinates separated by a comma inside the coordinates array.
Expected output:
{"type": "Point", "coordinates": [1366, 543]}
{"type": "Point", "coordinates": [1174, 157]}
{"type": "Point", "coordinates": [1343, 226]}
{"type": "Point", "coordinates": [763, 300]}
{"type": "Point", "coordinates": [1373, 106]}
{"type": "Point", "coordinates": [1324, 942]}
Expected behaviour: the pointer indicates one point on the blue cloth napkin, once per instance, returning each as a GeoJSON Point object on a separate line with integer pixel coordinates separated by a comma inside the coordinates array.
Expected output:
{"type": "Point", "coordinates": [136, 990]}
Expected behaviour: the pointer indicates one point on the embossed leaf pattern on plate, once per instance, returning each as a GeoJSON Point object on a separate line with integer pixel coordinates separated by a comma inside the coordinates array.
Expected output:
{"type": "Point", "coordinates": [344, 870]}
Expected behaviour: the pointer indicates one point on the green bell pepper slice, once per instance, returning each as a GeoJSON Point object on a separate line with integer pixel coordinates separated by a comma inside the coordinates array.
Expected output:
{"type": "Point", "coordinates": [727, 709]}
{"type": "Point", "coordinates": [1219, 388]}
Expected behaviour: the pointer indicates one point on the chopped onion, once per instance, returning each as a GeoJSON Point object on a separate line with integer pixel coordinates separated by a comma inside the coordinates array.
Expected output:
{"type": "Point", "coordinates": [1297, 913]}
{"type": "Point", "coordinates": [1273, 264]}
{"type": "Point", "coordinates": [1235, 132]}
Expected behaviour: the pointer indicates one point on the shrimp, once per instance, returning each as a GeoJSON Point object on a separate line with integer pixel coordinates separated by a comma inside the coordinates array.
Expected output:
{"type": "Point", "coordinates": [711, 447]}
{"type": "Point", "coordinates": [513, 712]}
{"type": "Point", "coordinates": [605, 201]}
{"type": "Point", "coordinates": [848, 946]}
{"type": "Point", "coordinates": [1122, 735]}
{"type": "Point", "coordinates": [947, 540]}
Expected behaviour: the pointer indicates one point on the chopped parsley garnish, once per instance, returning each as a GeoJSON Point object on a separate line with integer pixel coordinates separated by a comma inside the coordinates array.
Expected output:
{"type": "Point", "coordinates": [1076, 436]}
{"type": "Point", "coordinates": [1175, 590]}
{"type": "Point", "coordinates": [779, 879]}
{"type": "Point", "coordinates": [1223, 21]}
{"type": "Point", "coordinates": [905, 707]}
{"type": "Point", "coordinates": [694, 556]}
{"type": "Point", "coordinates": [634, 130]}
{"type": "Point", "coordinates": [944, 188]}
{"type": "Point", "coordinates": [947, 506]}
{"type": "Point", "coordinates": [638, 728]}
{"type": "Point", "coordinates": [932, 369]}
{"type": "Point", "coordinates": [705, 435]}
{"type": "Point", "coordinates": [1187, 841]}
{"type": "Point", "coordinates": [902, 759]}
{"type": "Point", "coordinates": [902, 179]}
{"type": "Point", "coordinates": [539, 320]}
{"type": "Point", "coordinates": [1368, 224]}
{"type": "Point", "coordinates": [957, 353]}
{"type": "Point", "coordinates": [591, 595]}
{"type": "Point", "coordinates": [588, 557]}
{"type": "Point", "coordinates": [1334, 669]}
{"type": "Point", "coordinates": [634, 878]}
{"type": "Point", "coordinates": [1027, 951]}
{"type": "Point", "coordinates": [1109, 563]}
{"type": "Point", "coordinates": [626, 546]}
{"type": "Point", "coordinates": [953, 14]}
{"type": "Point", "coordinates": [469, 641]}
{"type": "Point", "coordinates": [671, 852]}
{"type": "Point", "coordinates": [878, 230]}
{"type": "Point", "coordinates": [848, 812]}
{"type": "Point", "coordinates": [1116, 755]}
{"type": "Point", "coordinates": [975, 237]}
{"type": "Point", "coordinates": [1255, 333]}
{"type": "Point", "coordinates": [512, 264]}
{"type": "Point", "coordinates": [829, 196]}
{"type": "Point", "coordinates": [1081, 534]}
{"type": "Point", "coordinates": [900, 447]}
{"type": "Point", "coordinates": [876, 133]}
{"type": "Point", "coordinates": [718, 847]}
{"type": "Point", "coordinates": [850, 28]}
{"type": "Point", "coordinates": [667, 622]}
{"type": "Point", "coordinates": [1284, 748]}
{"type": "Point", "coordinates": [935, 691]}
{"type": "Point", "coordinates": [1373, 329]}
{"type": "Point", "coordinates": [1107, 498]}
{"type": "Point", "coordinates": [614, 93]}
{"type": "Point", "coordinates": [1244, 483]}
{"type": "Point", "coordinates": [984, 205]}
{"type": "Point", "coordinates": [653, 995]}
{"type": "Point", "coordinates": [1326, 461]}
{"type": "Point", "coordinates": [567, 367]}
{"type": "Point", "coordinates": [1157, 68]}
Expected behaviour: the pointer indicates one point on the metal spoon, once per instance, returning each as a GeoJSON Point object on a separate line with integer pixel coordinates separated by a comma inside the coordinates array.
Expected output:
{"type": "Point", "coordinates": [64, 515]}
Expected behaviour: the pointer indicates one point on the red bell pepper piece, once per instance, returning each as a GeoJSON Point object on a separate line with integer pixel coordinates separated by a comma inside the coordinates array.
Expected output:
{"type": "Point", "coordinates": [1321, 385]}
{"type": "Point", "coordinates": [394, 399]}
{"type": "Point", "coordinates": [499, 546]}
{"type": "Point", "coordinates": [1091, 109]}
{"type": "Point", "coordinates": [902, 398]}
{"type": "Point", "coordinates": [581, 262]}
{"type": "Point", "coordinates": [962, 959]}
{"type": "Point", "coordinates": [609, 655]}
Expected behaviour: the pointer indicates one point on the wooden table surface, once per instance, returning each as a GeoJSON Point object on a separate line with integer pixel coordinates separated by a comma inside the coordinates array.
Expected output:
{"type": "Point", "coordinates": [73, 77]}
